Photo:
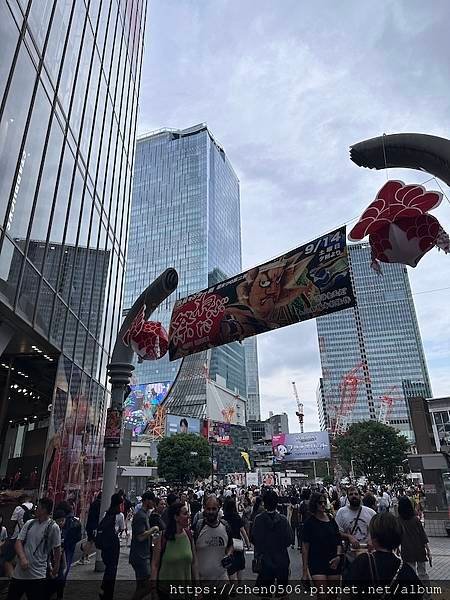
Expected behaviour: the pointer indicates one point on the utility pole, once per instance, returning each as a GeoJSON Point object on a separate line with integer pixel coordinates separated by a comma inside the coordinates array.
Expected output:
{"type": "Point", "coordinates": [119, 371]}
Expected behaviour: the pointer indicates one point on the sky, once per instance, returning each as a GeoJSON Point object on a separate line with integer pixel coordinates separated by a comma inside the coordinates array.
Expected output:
{"type": "Point", "coordinates": [286, 86]}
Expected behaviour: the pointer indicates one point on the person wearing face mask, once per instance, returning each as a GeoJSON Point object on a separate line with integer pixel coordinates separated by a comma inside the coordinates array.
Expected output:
{"type": "Point", "coordinates": [213, 543]}
{"type": "Point", "coordinates": [141, 546]}
{"type": "Point", "coordinates": [353, 521]}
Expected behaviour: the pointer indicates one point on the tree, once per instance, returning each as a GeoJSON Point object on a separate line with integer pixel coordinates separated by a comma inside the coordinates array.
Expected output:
{"type": "Point", "coordinates": [183, 457]}
{"type": "Point", "coordinates": [376, 450]}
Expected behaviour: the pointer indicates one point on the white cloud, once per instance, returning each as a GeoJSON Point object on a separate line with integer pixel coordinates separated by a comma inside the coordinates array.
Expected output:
{"type": "Point", "coordinates": [286, 87]}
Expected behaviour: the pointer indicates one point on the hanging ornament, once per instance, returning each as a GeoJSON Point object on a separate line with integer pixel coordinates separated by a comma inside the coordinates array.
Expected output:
{"type": "Point", "coordinates": [399, 227]}
{"type": "Point", "coordinates": [148, 339]}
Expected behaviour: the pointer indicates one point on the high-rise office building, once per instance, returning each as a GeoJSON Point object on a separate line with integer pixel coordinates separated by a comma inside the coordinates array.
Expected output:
{"type": "Point", "coordinates": [324, 423]}
{"type": "Point", "coordinates": [69, 83]}
{"type": "Point", "coordinates": [252, 375]}
{"type": "Point", "coordinates": [379, 339]}
{"type": "Point", "coordinates": [186, 214]}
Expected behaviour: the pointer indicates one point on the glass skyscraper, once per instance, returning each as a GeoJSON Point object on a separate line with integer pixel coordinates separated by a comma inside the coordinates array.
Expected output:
{"type": "Point", "coordinates": [69, 83]}
{"type": "Point", "coordinates": [381, 338]}
{"type": "Point", "coordinates": [185, 214]}
{"type": "Point", "coordinates": [252, 373]}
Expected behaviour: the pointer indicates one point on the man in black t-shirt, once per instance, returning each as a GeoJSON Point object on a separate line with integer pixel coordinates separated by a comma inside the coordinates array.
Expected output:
{"type": "Point", "coordinates": [141, 546]}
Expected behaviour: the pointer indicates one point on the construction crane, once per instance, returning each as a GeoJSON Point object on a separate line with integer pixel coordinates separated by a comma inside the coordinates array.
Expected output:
{"type": "Point", "coordinates": [349, 393]}
{"type": "Point", "coordinates": [299, 412]}
{"type": "Point", "coordinates": [386, 405]}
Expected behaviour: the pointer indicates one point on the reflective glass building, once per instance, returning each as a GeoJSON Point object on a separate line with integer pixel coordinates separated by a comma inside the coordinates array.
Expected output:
{"type": "Point", "coordinates": [69, 82]}
{"type": "Point", "coordinates": [185, 214]}
{"type": "Point", "coordinates": [252, 374]}
{"type": "Point", "coordinates": [382, 335]}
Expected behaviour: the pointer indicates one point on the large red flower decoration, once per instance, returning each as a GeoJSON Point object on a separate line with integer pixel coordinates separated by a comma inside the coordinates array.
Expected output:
{"type": "Point", "coordinates": [398, 224]}
{"type": "Point", "coordinates": [148, 339]}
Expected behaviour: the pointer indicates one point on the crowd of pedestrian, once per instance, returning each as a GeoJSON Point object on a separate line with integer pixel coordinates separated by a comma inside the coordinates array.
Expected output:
{"type": "Point", "coordinates": [356, 536]}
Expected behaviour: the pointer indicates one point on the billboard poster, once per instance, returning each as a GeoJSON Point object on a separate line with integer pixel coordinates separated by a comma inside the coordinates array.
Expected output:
{"type": "Point", "coordinates": [252, 479]}
{"type": "Point", "coordinates": [179, 424]}
{"type": "Point", "coordinates": [219, 433]}
{"type": "Point", "coordinates": [236, 478]}
{"type": "Point", "coordinates": [113, 430]}
{"type": "Point", "coordinates": [301, 446]}
{"type": "Point", "coordinates": [307, 282]}
{"type": "Point", "coordinates": [269, 479]}
{"type": "Point", "coordinates": [141, 405]}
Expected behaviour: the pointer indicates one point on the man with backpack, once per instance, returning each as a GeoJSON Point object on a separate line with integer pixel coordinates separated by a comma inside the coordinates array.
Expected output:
{"type": "Point", "coordinates": [38, 539]}
{"type": "Point", "coordinates": [107, 541]}
{"type": "Point", "coordinates": [213, 543]}
{"type": "Point", "coordinates": [271, 535]}
{"type": "Point", "coordinates": [71, 533]}
{"type": "Point", "coordinates": [21, 514]}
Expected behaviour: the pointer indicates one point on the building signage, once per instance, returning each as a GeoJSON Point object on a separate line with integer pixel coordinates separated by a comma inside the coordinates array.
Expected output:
{"type": "Point", "coordinates": [301, 446]}
{"type": "Point", "coordinates": [236, 478]}
{"type": "Point", "coordinates": [179, 424]}
{"type": "Point", "coordinates": [307, 282]}
{"type": "Point", "coordinates": [252, 479]}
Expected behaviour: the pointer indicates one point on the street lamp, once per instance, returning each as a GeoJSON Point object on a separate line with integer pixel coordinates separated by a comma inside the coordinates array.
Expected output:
{"type": "Point", "coordinates": [120, 370]}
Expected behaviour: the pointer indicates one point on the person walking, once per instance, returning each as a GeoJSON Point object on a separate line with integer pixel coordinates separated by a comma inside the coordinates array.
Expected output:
{"type": "Point", "coordinates": [353, 521]}
{"type": "Point", "coordinates": [415, 549]}
{"type": "Point", "coordinates": [141, 546]}
{"type": "Point", "coordinates": [381, 574]}
{"type": "Point", "coordinates": [155, 517]}
{"type": "Point", "coordinates": [108, 542]}
{"type": "Point", "coordinates": [258, 508]}
{"type": "Point", "coordinates": [295, 520]}
{"type": "Point", "coordinates": [271, 536]}
{"type": "Point", "coordinates": [37, 539]}
{"type": "Point", "coordinates": [55, 587]}
{"type": "Point", "coordinates": [91, 527]}
{"type": "Point", "coordinates": [231, 516]}
{"type": "Point", "coordinates": [322, 546]}
{"type": "Point", "coordinates": [71, 533]}
{"type": "Point", "coordinates": [174, 555]}
{"type": "Point", "coordinates": [213, 543]}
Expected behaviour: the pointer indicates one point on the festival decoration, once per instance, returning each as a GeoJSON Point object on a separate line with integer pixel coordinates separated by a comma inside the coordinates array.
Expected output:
{"type": "Point", "coordinates": [148, 339]}
{"type": "Point", "coordinates": [308, 282]}
{"type": "Point", "coordinates": [398, 224]}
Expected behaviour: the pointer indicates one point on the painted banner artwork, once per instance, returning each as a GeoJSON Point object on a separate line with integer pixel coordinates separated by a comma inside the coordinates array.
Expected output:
{"type": "Point", "coordinates": [399, 226]}
{"type": "Point", "coordinates": [301, 446]}
{"type": "Point", "coordinates": [147, 338]}
{"type": "Point", "coordinates": [305, 283]}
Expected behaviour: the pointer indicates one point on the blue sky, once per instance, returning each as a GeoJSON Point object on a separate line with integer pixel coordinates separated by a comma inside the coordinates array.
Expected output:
{"type": "Point", "coordinates": [286, 86]}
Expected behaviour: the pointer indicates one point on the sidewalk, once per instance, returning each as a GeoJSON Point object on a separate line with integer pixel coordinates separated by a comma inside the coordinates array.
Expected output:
{"type": "Point", "coordinates": [440, 549]}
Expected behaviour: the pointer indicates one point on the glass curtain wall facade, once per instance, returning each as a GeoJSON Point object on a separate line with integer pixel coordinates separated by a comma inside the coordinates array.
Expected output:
{"type": "Point", "coordinates": [382, 334]}
{"type": "Point", "coordinates": [69, 83]}
{"type": "Point", "coordinates": [185, 214]}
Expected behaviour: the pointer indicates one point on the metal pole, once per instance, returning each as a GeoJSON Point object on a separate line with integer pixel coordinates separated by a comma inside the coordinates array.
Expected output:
{"type": "Point", "coordinates": [120, 370]}
{"type": "Point", "coordinates": [328, 468]}
{"type": "Point", "coordinates": [315, 473]}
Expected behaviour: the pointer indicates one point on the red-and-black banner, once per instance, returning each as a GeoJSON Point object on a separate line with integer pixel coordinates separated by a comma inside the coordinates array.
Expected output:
{"type": "Point", "coordinates": [308, 282]}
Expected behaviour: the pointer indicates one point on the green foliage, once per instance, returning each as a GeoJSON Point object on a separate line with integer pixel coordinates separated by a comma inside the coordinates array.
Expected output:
{"type": "Point", "coordinates": [377, 451]}
{"type": "Point", "coordinates": [184, 457]}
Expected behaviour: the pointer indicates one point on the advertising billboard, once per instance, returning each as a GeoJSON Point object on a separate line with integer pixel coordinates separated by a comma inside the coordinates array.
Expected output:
{"type": "Point", "coordinates": [301, 446]}
{"type": "Point", "coordinates": [114, 428]}
{"type": "Point", "coordinates": [141, 404]}
{"type": "Point", "coordinates": [236, 478]}
{"type": "Point", "coordinates": [179, 424]}
{"type": "Point", "coordinates": [219, 433]}
{"type": "Point", "coordinates": [252, 479]}
{"type": "Point", "coordinates": [307, 282]}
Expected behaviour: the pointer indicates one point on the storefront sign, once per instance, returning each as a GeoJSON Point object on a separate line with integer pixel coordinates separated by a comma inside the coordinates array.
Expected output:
{"type": "Point", "coordinates": [307, 282]}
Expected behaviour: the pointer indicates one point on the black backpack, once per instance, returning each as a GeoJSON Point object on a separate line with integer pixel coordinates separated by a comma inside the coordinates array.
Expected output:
{"type": "Point", "coordinates": [72, 532]}
{"type": "Point", "coordinates": [28, 513]}
{"type": "Point", "coordinates": [105, 532]}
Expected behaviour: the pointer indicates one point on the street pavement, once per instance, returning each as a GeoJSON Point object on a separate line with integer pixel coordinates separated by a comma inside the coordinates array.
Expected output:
{"type": "Point", "coordinates": [440, 549]}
